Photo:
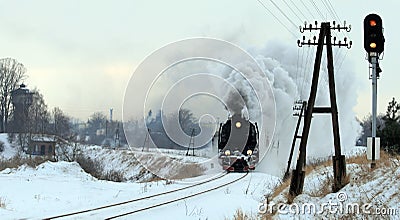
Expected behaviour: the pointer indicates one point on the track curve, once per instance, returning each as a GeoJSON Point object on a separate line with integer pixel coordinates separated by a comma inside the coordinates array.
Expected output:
{"type": "Point", "coordinates": [133, 200]}
{"type": "Point", "coordinates": [178, 199]}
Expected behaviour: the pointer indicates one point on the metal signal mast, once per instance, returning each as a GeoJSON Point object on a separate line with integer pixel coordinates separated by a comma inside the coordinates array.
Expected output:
{"type": "Point", "coordinates": [374, 43]}
{"type": "Point", "coordinates": [339, 163]}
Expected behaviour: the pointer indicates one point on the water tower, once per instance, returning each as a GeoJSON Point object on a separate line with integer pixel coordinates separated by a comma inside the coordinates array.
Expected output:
{"type": "Point", "coordinates": [21, 99]}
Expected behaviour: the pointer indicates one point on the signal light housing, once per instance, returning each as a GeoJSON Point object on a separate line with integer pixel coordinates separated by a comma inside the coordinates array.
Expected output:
{"type": "Point", "coordinates": [374, 40]}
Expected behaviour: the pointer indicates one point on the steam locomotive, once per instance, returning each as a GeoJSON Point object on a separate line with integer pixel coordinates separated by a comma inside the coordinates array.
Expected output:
{"type": "Point", "coordinates": [238, 141]}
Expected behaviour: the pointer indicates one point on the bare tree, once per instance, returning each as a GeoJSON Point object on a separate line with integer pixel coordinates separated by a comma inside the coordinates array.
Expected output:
{"type": "Point", "coordinates": [68, 149]}
{"type": "Point", "coordinates": [97, 121]}
{"type": "Point", "coordinates": [61, 122]}
{"type": "Point", "coordinates": [39, 116]}
{"type": "Point", "coordinates": [11, 74]}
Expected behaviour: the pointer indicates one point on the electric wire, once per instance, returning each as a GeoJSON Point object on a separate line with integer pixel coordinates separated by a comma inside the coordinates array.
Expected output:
{"type": "Point", "coordinates": [317, 9]}
{"type": "Point", "coordinates": [290, 31]}
{"type": "Point", "coordinates": [283, 13]}
{"type": "Point", "coordinates": [334, 11]}
{"type": "Point", "coordinates": [290, 8]}
{"type": "Point", "coordinates": [297, 71]}
{"type": "Point", "coordinates": [309, 11]}
{"type": "Point", "coordinates": [301, 12]}
{"type": "Point", "coordinates": [304, 58]}
{"type": "Point", "coordinates": [342, 61]}
{"type": "Point", "coordinates": [305, 72]}
{"type": "Point", "coordinates": [329, 10]}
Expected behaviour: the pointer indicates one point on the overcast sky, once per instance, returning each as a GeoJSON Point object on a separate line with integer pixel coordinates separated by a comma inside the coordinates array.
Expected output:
{"type": "Point", "coordinates": [81, 54]}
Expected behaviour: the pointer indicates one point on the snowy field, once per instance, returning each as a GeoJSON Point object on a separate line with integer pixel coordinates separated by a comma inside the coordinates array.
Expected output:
{"type": "Point", "coordinates": [370, 194]}
{"type": "Point", "coordinates": [57, 188]}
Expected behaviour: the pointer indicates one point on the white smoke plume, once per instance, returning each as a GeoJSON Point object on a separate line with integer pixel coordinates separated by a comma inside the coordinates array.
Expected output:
{"type": "Point", "coordinates": [286, 70]}
{"type": "Point", "coordinates": [283, 68]}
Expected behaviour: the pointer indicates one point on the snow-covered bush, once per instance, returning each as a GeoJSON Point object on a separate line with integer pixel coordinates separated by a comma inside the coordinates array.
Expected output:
{"type": "Point", "coordinates": [1, 146]}
{"type": "Point", "coordinates": [95, 168]}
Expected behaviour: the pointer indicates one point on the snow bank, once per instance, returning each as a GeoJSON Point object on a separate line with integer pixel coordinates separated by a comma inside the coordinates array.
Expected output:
{"type": "Point", "coordinates": [127, 162]}
{"type": "Point", "coordinates": [370, 194]}
{"type": "Point", "coordinates": [50, 169]}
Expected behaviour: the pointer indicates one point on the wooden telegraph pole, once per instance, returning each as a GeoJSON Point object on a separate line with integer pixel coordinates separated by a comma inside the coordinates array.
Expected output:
{"type": "Point", "coordinates": [191, 143]}
{"type": "Point", "coordinates": [339, 163]}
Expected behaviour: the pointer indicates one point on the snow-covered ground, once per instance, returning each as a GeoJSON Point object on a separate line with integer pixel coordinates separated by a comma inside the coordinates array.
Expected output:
{"type": "Point", "coordinates": [370, 194]}
{"type": "Point", "coordinates": [63, 187]}
{"type": "Point", "coordinates": [55, 188]}
{"type": "Point", "coordinates": [167, 164]}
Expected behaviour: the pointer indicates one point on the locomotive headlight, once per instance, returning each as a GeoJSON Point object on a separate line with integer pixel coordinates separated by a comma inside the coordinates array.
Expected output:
{"type": "Point", "coordinates": [249, 152]}
{"type": "Point", "coordinates": [238, 124]}
{"type": "Point", "coordinates": [227, 152]}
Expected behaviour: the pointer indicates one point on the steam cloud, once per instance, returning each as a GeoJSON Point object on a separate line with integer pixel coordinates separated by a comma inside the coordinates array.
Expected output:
{"type": "Point", "coordinates": [291, 80]}
{"type": "Point", "coordinates": [285, 70]}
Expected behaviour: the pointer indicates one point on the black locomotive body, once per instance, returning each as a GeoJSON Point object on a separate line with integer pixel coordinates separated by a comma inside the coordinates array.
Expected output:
{"type": "Point", "coordinates": [238, 141]}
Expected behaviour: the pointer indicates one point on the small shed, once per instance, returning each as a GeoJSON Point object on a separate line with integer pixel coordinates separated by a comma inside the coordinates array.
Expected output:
{"type": "Point", "coordinates": [43, 145]}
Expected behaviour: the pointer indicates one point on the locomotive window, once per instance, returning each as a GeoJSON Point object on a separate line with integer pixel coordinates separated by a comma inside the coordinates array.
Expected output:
{"type": "Point", "coordinates": [226, 130]}
{"type": "Point", "coordinates": [252, 132]}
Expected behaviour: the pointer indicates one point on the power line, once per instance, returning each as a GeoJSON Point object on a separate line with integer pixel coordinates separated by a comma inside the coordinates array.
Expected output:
{"type": "Point", "coordinates": [299, 9]}
{"type": "Point", "coordinates": [317, 9]}
{"type": "Point", "coordinates": [283, 13]}
{"type": "Point", "coordinates": [294, 35]}
{"type": "Point", "coordinates": [306, 69]}
{"type": "Point", "coordinates": [329, 9]}
{"type": "Point", "coordinates": [292, 11]}
{"type": "Point", "coordinates": [307, 8]}
{"type": "Point", "coordinates": [334, 11]}
{"type": "Point", "coordinates": [342, 61]}
{"type": "Point", "coordinates": [296, 78]}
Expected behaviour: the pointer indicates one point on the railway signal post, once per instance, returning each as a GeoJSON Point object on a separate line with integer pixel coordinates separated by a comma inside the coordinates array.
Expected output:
{"type": "Point", "coordinates": [374, 43]}
{"type": "Point", "coordinates": [299, 112]}
{"type": "Point", "coordinates": [339, 164]}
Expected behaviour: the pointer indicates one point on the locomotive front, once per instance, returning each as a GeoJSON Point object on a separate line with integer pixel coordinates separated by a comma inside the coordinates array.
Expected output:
{"type": "Point", "coordinates": [238, 144]}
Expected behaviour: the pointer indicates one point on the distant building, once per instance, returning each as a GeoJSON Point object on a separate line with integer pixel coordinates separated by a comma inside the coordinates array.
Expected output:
{"type": "Point", "coordinates": [21, 99]}
{"type": "Point", "coordinates": [43, 145]}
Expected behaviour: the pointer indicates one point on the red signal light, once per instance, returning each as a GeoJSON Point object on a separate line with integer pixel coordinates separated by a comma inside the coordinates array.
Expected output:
{"type": "Point", "coordinates": [374, 40]}
{"type": "Point", "coordinates": [372, 23]}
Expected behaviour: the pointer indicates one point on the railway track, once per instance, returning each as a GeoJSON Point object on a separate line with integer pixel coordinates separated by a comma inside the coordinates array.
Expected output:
{"type": "Point", "coordinates": [148, 197]}
{"type": "Point", "coordinates": [175, 200]}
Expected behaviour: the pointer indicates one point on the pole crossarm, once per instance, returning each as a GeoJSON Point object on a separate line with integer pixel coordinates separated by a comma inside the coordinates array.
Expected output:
{"type": "Point", "coordinates": [314, 42]}
{"type": "Point", "coordinates": [310, 27]}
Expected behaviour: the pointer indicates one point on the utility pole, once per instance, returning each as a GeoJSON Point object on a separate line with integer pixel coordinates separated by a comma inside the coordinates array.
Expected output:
{"type": "Point", "coordinates": [146, 140]}
{"type": "Point", "coordinates": [339, 163]}
{"type": "Point", "coordinates": [117, 142]}
{"type": "Point", "coordinates": [191, 143]}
